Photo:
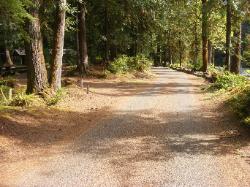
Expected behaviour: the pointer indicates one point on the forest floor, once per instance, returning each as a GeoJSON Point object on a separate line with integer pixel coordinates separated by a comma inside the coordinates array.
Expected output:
{"type": "Point", "coordinates": [163, 131]}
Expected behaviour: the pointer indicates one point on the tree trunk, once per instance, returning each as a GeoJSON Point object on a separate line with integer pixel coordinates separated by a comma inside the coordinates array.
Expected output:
{"type": "Point", "coordinates": [213, 56]}
{"type": "Point", "coordinates": [210, 51]}
{"type": "Point", "coordinates": [196, 45]}
{"type": "Point", "coordinates": [180, 53]}
{"type": "Point", "coordinates": [204, 36]}
{"type": "Point", "coordinates": [8, 62]}
{"type": "Point", "coordinates": [57, 52]}
{"type": "Point", "coordinates": [106, 58]}
{"type": "Point", "coordinates": [82, 38]}
{"type": "Point", "coordinates": [236, 59]}
{"type": "Point", "coordinates": [37, 73]}
{"type": "Point", "coordinates": [228, 35]}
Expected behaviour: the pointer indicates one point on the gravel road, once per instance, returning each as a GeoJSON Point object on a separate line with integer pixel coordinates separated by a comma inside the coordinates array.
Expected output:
{"type": "Point", "coordinates": [168, 135]}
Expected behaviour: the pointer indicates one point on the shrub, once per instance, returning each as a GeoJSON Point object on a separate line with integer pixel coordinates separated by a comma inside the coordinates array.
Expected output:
{"type": "Point", "coordinates": [120, 65]}
{"type": "Point", "coordinates": [55, 98]}
{"type": "Point", "coordinates": [139, 63]}
{"type": "Point", "coordinates": [9, 81]}
{"type": "Point", "coordinates": [3, 94]}
{"type": "Point", "coordinates": [228, 81]}
{"type": "Point", "coordinates": [240, 104]}
{"type": "Point", "coordinates": [22, 100]}
{"type": "Point", "coordinates": [125, 64]}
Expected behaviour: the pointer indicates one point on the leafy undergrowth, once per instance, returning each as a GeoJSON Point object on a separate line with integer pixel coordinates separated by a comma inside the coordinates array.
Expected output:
{"type": "Point", "coordinates": [228, 81]}
{"type": "Point", "coordinates": [125, 64]}
{"type": "Point", "coordinates": [236, 90]}
{"type": "Point", "coordinates": [240, 103]}
{"type": "Point", "coordinates": [14, 97]}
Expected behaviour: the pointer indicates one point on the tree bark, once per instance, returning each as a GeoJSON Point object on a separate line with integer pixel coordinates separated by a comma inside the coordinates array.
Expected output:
{"type": "Point", "coordinates": [204, 36]}
{"type": "Point", "coordinates": [57, 52]}
{"type": "Point", "coordinates": [8, 62]}
{"type": "Point", "coordinates": [106, 57]}
{"type": "Point", "coordinates": [210, 52]}
{"type": "Point", "coordinates": [236, 58]}
{"type": "Point", "coordinates": [180, 53]}
{"type": "Point", "coordinates": [196, 45]}
{"type": "Point", "coordinates": [37, 73]}
{"type": "Point", "coordinates": [82, 38]}
{"type": "Point", "coordinates": [228, 35]}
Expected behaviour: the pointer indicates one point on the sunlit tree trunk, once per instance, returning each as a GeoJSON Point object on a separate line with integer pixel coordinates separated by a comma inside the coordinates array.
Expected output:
{"type": "Point", "coordinates": [57, 53]}
{"type": "Point", "coordinates": [37, 73]}
{"type": "Point", "coordinates": [8, 61]}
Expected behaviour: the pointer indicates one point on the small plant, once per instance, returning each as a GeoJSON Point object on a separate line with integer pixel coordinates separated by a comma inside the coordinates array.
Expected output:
{"type": "Point", "coordinates": [120, 65]}
{"type": "Point", "coordinates": [240, 104]}
{"type": "Point", "coordinates": [140, 63]}
{"type": "Point", "coordinates": [55, 98]}
{"type": "Point", "coordinates": [125, 64]}
{"type": "Point", "coordinates": [4, 94]}
{"type": "Point", "coordinates": [7, 81]}
{"type": "Point", "coordinates": [22, 100]}
{"type": "Point", "coordinates": [228, 81]}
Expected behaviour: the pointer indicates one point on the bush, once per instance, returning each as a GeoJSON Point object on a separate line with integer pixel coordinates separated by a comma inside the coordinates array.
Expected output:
{"type": "Point", "coordinates": [126, 64]}
{"type": "Point", "coordinates": [120, 65]}
{"type": "Point", "coordinates": [228, 81]}
{"type": "Point", "coordinates": [4, 91]}
{"type": "Point", "coordinates": [54, 99]}
{"type": "Point", "coordinates": [9, 81]}
{"type": "Point", "coordinates": [140, 63]}
{"type": "Point", "coordinates": [240, 104]}
{"type": "Point", "coordinates": [22, 100]}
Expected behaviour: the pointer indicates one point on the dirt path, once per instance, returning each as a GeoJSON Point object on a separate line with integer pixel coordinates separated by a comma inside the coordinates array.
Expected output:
{"type": "Point", "coordinates": [169, 134]}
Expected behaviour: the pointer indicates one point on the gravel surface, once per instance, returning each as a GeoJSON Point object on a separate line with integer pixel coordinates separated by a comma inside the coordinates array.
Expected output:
{"type": "Point", "coordinates": [169, 134]}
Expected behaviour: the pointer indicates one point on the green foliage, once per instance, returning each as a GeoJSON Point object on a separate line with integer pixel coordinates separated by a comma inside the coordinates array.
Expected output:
{"type": "Point", "coordinates": [55, 98]}
{"type": "Point", "coordinates": [140, 63]}
{"type": "Point", "coordinates": [126, 64]}
{"type": "Point", "coordinates": [120, 65]}
{"type": "Point", "coordinates": [240, 103]}
{"type": "Point", "coordinates": [3, 94]}
{"type": "Point", "coordinates": [228, 81]}
{"type": "Point", "coordinates": [7, 81]}
{"type": "Point", "coordinates": [23, 100]}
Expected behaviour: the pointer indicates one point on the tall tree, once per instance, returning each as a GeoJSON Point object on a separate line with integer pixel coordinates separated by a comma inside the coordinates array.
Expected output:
{"type": "Point", "coordinates": [228, 34]}
{"type": "Point", "coordinates": [37, 73]}
{"type": "Point", "coordinates": [236, 59]}
{"type": "Point", "coordinates": [82, 38]}
{"type": "Point", "coordinates": [204, 36]}
{"type": "Point", "coordinates": [57, 53]}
